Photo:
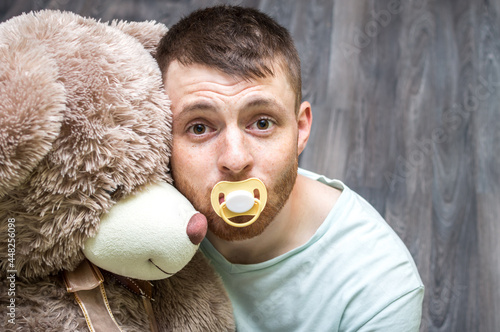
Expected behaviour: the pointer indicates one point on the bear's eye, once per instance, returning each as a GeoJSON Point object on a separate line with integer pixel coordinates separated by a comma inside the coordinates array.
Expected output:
{"type": "Point", "coordinates": [114, 191]}
{"type": "Point", "coordinates": [110, 192]}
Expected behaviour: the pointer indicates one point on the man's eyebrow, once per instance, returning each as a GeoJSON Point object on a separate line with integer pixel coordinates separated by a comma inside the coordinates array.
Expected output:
{"type": "Point", "coordinates": [196, 106]}
{"type": "Point", "coordinates": [264, 102]}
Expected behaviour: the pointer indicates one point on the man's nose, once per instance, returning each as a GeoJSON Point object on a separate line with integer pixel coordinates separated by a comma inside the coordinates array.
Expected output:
{"type": "Point", "coordinates": [235, 156]}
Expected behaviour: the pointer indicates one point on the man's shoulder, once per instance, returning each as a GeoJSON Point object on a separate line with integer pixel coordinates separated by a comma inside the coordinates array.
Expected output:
{"type": "Point", "coordinates": [370, 263]}
{"type": "Point", "coordinates": [357, 238]}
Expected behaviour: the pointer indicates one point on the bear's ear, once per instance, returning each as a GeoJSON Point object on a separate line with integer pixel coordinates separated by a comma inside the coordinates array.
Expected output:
{"type": "Point", "coordinates": [32, 102]}
{"type": "Point", "coordinates": [148, 33]}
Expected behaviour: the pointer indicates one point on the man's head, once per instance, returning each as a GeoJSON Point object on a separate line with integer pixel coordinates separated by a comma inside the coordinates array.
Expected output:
{"type": "Point", "coordinates": [240, 42]}
{"type": "Point", "coordinates": [233, 77]}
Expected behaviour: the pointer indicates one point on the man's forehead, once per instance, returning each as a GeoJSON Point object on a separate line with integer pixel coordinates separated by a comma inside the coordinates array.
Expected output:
{"type": "Point", "coordinates": [195, 73]}
{"type": "Point", "coordinates": [277, 69]}
{"type": "Point", "coordinates": [196, 78]}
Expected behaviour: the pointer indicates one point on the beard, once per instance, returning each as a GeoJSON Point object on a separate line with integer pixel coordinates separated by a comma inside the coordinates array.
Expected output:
{"type": "Point", "coordinates": [278, 193]}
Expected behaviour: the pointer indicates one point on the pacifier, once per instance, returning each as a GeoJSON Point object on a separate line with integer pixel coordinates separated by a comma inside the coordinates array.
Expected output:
{"type": "Point", "coordinates": [239, 200]}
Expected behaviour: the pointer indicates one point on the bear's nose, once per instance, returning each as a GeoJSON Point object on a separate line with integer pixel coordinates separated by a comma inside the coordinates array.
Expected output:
{"type": "Point", "coordinates": [197, 228]}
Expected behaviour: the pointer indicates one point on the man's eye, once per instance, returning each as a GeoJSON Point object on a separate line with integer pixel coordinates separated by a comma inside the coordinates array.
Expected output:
{"type": "Point", "coordinates": [263, 124]}
{"type": "Point", "coordinates": [198, 129]}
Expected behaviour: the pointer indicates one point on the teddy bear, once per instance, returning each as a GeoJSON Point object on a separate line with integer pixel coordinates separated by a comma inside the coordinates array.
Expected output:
{"type": "Point", "coordinates": [93, 235]}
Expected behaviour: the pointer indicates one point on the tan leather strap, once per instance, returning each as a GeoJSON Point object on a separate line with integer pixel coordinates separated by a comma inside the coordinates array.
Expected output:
{"type": "Point", "coordinates": [153, 325]}
{"type": "Point", "coordinates": [85, 282]}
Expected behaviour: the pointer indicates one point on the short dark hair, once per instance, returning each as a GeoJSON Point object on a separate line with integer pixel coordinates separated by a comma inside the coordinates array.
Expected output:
{"type": "Point", "coordinates": [238, 41]}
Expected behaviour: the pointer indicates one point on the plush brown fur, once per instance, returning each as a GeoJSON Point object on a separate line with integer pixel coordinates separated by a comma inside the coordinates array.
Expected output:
{"type": "Point", "coordinates": [83, 123]}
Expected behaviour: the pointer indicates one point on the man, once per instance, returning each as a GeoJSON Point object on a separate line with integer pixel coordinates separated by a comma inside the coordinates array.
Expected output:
{"type": "Point", "coordinates": [319, 257]}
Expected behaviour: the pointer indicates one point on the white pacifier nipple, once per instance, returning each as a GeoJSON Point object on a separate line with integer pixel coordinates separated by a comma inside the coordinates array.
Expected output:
{"type": "Point", "coordinates": [232, 199]}
{"type": "Point", "coordinates": [240, 201]}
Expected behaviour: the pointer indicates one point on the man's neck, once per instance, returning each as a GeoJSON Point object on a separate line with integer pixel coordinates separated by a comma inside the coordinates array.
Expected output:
{"type": "Point", "coordinates": [303, 213]}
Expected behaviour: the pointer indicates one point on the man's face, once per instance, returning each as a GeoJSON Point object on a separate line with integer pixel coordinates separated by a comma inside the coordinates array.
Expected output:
{"type": "Point", "coordinates": [231, 129]}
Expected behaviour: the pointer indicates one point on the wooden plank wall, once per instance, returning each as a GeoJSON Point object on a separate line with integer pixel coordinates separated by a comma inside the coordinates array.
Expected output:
{"type": "Point", "coordinates": [406, 101]}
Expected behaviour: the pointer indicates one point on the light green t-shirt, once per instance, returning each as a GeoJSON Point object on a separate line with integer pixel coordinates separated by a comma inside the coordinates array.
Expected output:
{"type": "Point", "coordinates": [354, 274]}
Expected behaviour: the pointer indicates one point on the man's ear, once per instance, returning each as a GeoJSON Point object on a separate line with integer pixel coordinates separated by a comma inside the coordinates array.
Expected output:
{"type": "Point", "coordinates": [304, 122]}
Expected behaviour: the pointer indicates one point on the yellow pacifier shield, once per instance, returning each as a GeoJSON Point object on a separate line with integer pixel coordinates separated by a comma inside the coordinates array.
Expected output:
{"type": "Point", "coordinates": [239, 200]}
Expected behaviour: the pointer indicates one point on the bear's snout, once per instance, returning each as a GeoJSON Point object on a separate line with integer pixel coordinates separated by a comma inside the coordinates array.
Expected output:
{"type": "Point", "coordinates": [197, 228]}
